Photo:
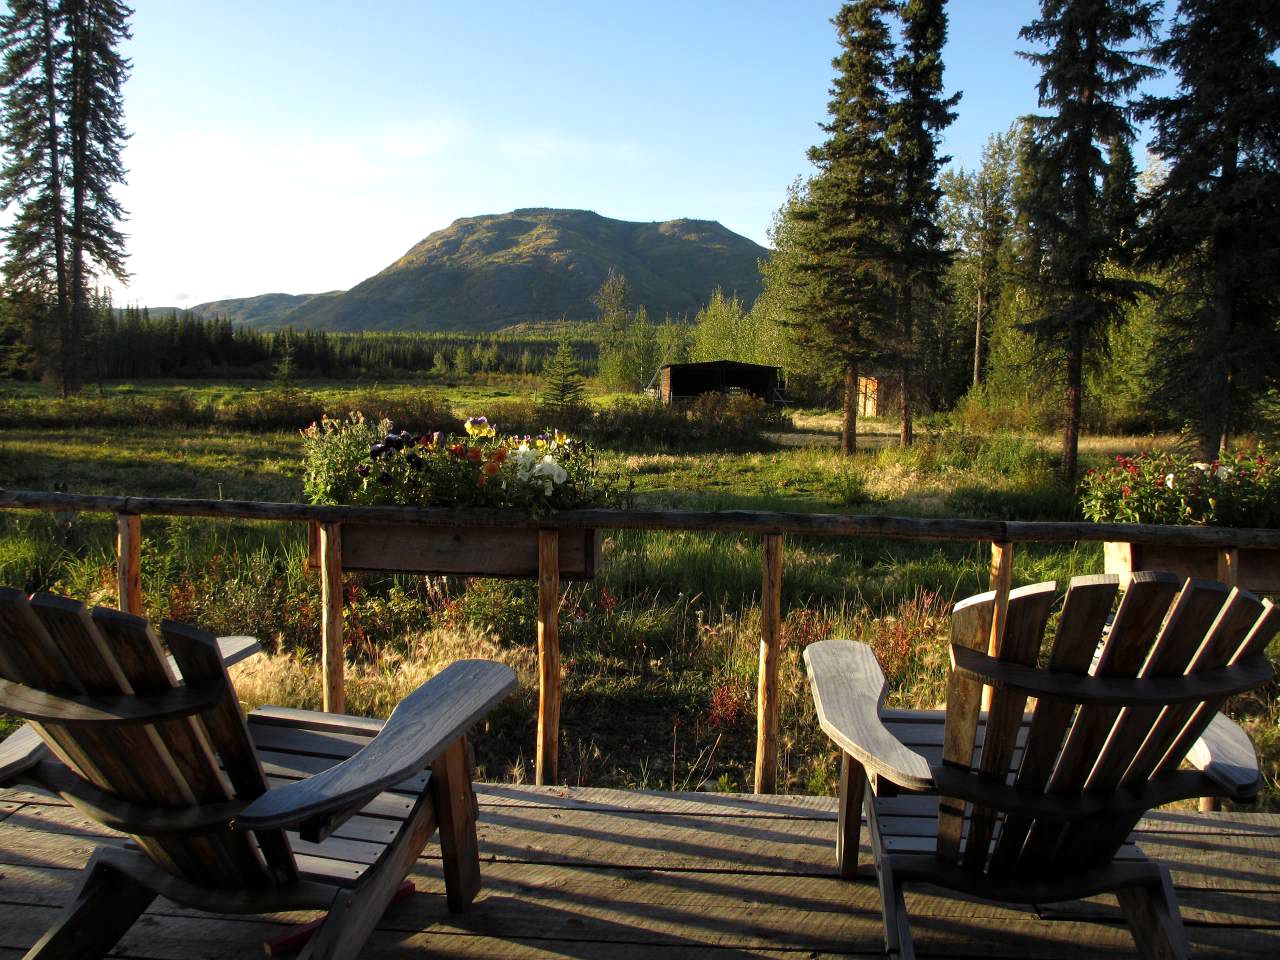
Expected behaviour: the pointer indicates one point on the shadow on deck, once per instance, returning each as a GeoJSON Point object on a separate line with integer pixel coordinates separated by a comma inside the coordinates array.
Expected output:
{"type": "Point", "coordinates": [590, 873]}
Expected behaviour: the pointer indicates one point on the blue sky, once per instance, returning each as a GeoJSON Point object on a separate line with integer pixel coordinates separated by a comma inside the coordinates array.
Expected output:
{"type": "Point", "coordinates": [291, 146]}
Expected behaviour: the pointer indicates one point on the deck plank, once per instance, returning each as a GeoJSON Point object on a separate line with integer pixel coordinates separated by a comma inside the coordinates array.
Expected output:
{"type": "Point", "coordinates": [586, 873]}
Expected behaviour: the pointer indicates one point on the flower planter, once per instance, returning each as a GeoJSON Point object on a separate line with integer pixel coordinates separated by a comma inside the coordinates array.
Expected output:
{"type": "Point", "coordinates": [1259, 569]}
{"type": "Point", "coordinates": [509, 552]}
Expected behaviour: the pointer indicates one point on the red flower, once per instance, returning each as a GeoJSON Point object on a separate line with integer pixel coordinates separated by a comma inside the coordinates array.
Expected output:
{"type": "Point", "coordinates": [1124, 491]}
{"type": "Point", "coordinates": [457, 449]}
{"type": "Point", "coordinates": [474, 455]}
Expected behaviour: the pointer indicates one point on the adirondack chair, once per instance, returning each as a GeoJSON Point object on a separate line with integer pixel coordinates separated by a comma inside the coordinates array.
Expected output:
{"type": "Point", "coordinates": [1037, 807]}
{"type": "Point", "coordinates": [172, 764]}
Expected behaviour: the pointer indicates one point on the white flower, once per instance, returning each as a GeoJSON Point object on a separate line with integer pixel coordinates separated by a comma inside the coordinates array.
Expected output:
{"type": "Point", "coordinates": [1168, 480]}
{"type": "Point", "coordinates": [552, 471]}
{"type": "Point", "coordinates": [1224, 472]}
{"type": "Point", "coordinates": [1201, 466]}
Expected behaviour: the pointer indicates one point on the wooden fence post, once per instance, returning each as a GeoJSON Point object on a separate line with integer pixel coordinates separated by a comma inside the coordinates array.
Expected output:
{"type": "Point", "coordinates": [767, 682]}
{"type": "Point", "coordinates": [1001, 583]}
{"type": "Point", "coordinates": [547, 762]}
{"type": "Point", "coordinates": [129, 562]}
{"type": "Point", "coordinates": [332, 654]}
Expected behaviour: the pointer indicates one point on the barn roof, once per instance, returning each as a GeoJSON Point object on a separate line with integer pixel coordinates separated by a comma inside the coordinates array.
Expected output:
{"type": "Point", "coordinates": [709, 365]}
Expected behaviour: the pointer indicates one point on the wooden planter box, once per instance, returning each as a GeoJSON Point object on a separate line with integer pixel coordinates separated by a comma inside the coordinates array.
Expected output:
{"type": "Point", "coordinates": [1259, 569]}
{"type": "Point", "coordinates": [510, 552]}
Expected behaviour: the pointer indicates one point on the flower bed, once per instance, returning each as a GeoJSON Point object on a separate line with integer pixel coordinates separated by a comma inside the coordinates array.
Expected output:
{"type": "Point", "coordinates": [1242, 491]}
{"type": "Point", "coordinates": [354, 461]}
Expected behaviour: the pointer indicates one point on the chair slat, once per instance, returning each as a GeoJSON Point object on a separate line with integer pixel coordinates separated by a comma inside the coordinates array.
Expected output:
{"type": "Point", "coordinates": [1028, 613]}
{"type": "Point", "coordinates": [1259, 636]}
{"type": "Point", "coordinates": [970, 627]}
{"type": "Point", "coordinates": [232, 860]}
{"type": "Point", "coordinates": [1084, 615]}
{"type": "Point", "coordinates": [1193, 614]}
{"type": "Point", "coordinates": [198, 657]}
{"type": "Point", "coordinates": [1137, 623]}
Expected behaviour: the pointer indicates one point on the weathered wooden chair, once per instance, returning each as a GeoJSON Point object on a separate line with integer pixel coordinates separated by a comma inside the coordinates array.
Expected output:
{"type": "Point", "coordinates": [172, 764]}
{"type": "Point", "coordinates": [1037, 807]}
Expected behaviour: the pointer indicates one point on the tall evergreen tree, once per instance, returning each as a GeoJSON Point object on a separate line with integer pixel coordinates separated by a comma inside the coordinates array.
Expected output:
{"type": "Point", "coordinates": [32, 178]}
{"type": "Point", "coordinates": [562, 385]}
{"type": "Point", "coordinates": [63, 132]}
{"type": "Point", "coordinates": [845, 248]}
{"type": "Point", "coordinates": [1088, 70]}
{"type": "Point", "coordinates": [917, 120]}
{"type": "Point", "coordinates": [1216, 215]}
{"type": "Point", "coordinates": [95, 126]}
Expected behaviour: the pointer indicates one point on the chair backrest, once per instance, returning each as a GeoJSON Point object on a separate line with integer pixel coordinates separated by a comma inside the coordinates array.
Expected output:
{"type": "Point", "coordinates": [1115, 708]}
{"type": "Point", "coordinates": [167, 760]}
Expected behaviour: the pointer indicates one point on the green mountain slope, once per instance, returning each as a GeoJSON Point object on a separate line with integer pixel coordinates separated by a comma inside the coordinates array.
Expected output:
{"type": "Point", "coordinates": [263, 310]}
{"type": "Point", "coordinates": [530, 266]}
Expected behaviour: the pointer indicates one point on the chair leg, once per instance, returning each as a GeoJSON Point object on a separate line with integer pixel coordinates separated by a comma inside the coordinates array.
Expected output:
{"type": "Point", "coordinates": [355, 913]}
{"type": "Point", "coordinates": [853, 785]}
{"type": "Point", "coordinates": [1152, 914]}
{"type": "Point", "coordinates": [897, 931]}
{"type": "Point", "coordinates": [105, 906]}
{"type": "Point", "coordinates": [456, 810]}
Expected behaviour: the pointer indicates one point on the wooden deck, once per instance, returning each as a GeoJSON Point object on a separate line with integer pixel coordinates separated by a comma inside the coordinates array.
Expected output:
{"type": "Point", "coordinates": [588, 873]}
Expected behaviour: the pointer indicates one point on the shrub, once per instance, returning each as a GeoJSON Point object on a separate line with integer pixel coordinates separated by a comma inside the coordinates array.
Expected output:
{"type": "Point", "coordinates": [1242, 491]}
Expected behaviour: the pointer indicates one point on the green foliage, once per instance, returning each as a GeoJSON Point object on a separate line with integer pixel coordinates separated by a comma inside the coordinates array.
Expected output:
{"type": "Point", "coordinates": [1087, 69]}
{"type": "Point", "coordinates": [1239, 491]}
{"type": "Point", "coordinates": [1213, 219]}
{"type": "Point", "coordinates": [562, 384]}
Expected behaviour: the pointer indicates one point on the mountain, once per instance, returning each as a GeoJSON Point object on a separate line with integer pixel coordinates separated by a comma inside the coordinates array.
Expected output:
{"type": "Point", "coordinates": [262, 310]}
{"type": "Point", "coordinates": [528, 266]}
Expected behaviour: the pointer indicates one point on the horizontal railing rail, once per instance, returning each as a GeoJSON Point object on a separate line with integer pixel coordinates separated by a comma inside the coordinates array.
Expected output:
{"type": "Point", "coordinates": [727, 521]}
{"type": "Point", "coordinates": [771, 526]}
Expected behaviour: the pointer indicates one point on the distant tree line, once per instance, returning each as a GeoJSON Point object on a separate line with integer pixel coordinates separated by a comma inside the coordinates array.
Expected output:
{"type": "Point", "coordinates": [131, 343]}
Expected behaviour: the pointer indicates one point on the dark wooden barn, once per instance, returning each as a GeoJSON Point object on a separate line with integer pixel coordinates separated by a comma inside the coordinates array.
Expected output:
{"type": "Point", "coordinates": [684, 381]}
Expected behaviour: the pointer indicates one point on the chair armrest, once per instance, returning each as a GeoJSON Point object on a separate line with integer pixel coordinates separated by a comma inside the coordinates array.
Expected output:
{"type": "Point", "coordinates": [232, 649]}
{"type": "Point", "coordinates": [20, 752]}
{"type": "Point", "coordinates": [1224, 753]}
{"type": "Point", "coordinates": [420, 728]}
{"type": "Point", "coordinates": [848, 690]}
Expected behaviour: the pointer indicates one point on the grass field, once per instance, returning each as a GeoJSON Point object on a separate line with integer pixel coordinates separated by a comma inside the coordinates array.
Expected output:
{"type": "Point", "coordinates": [659, 652]}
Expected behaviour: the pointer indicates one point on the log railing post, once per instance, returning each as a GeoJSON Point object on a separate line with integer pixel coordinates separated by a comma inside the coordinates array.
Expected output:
{"type": "Point", "coordinates": [546, 763]}
{"type": "Point", "coordinates": [1001, 583]}
{"type": "Point", "coordinates": [332, 655]}
{"type": "Point", "coordinates": [129, 562]}
{"type": "Point", "coordinates": [767, 706]}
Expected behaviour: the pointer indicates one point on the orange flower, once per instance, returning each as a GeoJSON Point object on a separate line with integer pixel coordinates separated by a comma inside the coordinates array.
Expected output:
{"type": "Point", "coordinates": [490, 469]}
{"type": "Point", "coordinates": [500, 455]}
{"type": "Point", "coordinates": [475, 455]}
{"type": "Point", "coordinates": [457, 449]}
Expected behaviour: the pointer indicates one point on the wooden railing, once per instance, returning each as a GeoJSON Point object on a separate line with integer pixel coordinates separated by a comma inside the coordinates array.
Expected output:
{"type": "Point", "coordinates": [773, 527]}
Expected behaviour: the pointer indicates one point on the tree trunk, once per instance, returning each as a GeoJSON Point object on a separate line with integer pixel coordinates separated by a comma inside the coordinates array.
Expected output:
{"type": "Point", "coordinates": [906, 305]}
{"type": "Point", "coordinates": [849, 427]}
{"type": "Point", "coordinates": [77, 124]}
{"type": "Point", "coordinates": [1071, 431]}
{"type": "Point", "coordinates": [977, 339]}
{"type": "Point", "coordinates": [62, 319]}
{"type": "Point", "coordinates": [1215, 432]}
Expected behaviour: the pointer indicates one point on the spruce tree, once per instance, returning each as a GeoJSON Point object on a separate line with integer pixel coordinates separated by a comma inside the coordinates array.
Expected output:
{"type": "Point", "coordinates": [917, 120]}
{"type": "Point", "coordinates": [1088, 69]}
{"type": "Point", "coordinates": [562, 384]}
{"type": "Point", "coordinates": [95, 127]}
{"type": "Point", "coordinates": [32, 178]}
{"type": "Point", "coordinates": [843, 226]}
{"type": "Point", "coordinates": [1215, 218]}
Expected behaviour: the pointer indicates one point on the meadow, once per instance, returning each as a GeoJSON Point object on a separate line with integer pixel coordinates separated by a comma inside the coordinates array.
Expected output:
{"type": "Point", "coordinates": [659, 651]}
